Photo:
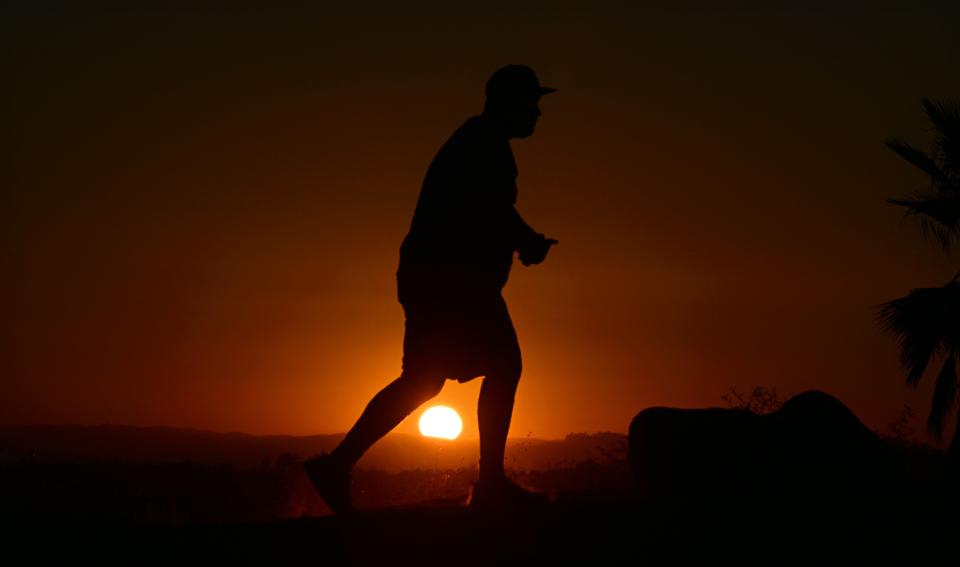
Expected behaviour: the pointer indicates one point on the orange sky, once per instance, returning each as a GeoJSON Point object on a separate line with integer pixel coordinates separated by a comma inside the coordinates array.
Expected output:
{"type": "Point", "coordinates": [205, 209]}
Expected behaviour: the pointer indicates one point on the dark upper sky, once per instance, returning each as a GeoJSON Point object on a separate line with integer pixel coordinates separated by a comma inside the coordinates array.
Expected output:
{"type": "Point", "coordinates": [203, 208]}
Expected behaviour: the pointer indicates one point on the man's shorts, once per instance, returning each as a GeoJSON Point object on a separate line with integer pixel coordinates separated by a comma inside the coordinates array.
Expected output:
{"type": "Point", "coordinates": [460, 338]}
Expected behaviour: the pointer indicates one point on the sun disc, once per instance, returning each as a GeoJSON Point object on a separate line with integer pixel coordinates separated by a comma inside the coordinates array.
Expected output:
{"type": "Point", "coordinates": [441, 422]}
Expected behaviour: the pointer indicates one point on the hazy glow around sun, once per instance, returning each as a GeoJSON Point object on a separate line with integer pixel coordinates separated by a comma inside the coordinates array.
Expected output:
{"type": "Point", "coordinates": [442, 422]}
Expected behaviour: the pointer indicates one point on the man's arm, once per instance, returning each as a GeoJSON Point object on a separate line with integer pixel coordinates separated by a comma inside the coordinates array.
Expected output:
{"type": "Point", "coordinates": [509, 227]}
{"type": "Point", "coordinates": [520, 234]}
{"type": "Point", "coordinates": [489, 196]}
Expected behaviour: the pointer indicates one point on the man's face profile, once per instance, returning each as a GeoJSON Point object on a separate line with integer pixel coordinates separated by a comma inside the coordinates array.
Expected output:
{"type": "Point", "coordinates": [522, 117]}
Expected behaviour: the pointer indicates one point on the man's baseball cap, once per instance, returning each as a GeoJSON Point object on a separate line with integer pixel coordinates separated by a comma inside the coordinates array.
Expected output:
{"type": "Point", "coordinates": [515, 82]}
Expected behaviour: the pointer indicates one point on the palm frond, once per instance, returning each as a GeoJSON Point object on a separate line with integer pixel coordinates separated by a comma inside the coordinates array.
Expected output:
{"type": "Point", "coordinates": [944, 397]}
{"type": "Point", "coordinates": [924, 322]}
{"type": "Point", "coordinates": [931, 229]}
{"type": "Point", "coordinates": [945, 117]}
{"type": "Point", "coordinates": [919, 159]}
{"type": "Point", "coordinates": [937, 215]}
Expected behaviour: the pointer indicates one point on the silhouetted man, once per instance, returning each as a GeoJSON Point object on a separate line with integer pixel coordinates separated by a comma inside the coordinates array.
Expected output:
{"type": "Point", "coordinates": [454, 262]}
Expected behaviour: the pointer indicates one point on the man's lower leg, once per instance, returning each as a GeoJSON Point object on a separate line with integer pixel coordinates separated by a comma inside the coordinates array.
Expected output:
{"type": "Point", "coordinates": [384, 412]}
{"type": "Point", "coordinates": [494, 411]}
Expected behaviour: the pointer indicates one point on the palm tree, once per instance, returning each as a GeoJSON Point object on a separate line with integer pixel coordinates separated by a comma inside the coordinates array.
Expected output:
{"type": "Point", "coordinates": [926, 322]}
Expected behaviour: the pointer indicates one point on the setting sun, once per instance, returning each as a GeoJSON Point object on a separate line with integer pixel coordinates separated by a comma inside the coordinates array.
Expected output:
{"type": "Point", "coordinates": [442, 422]}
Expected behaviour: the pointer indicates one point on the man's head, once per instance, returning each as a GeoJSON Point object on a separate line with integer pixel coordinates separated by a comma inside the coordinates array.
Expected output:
{"type": "Point", "coordinates": [513, 97]}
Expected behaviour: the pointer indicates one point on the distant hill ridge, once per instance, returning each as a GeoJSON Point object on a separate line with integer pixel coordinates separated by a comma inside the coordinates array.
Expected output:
{"type": "Point", "coordinates": [397, 451]}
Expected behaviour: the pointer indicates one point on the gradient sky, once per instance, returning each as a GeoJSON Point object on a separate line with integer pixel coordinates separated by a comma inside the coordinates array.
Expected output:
{"type": "Point", "coordinates": [203, 208]}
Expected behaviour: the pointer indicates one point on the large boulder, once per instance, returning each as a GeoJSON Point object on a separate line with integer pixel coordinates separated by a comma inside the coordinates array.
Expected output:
{"type": "Point", "coordinates": [812, 447]}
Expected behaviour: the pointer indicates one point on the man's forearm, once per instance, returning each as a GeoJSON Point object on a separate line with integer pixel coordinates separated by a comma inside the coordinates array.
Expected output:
{"type": "Point", "coordinates": [523, 232]}
{"type": "Point", "coordinates": [505, 226]}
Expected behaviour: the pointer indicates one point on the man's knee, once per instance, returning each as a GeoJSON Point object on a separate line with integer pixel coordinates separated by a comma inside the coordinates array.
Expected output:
{"type": "Point", "coordinates": [424, 384]}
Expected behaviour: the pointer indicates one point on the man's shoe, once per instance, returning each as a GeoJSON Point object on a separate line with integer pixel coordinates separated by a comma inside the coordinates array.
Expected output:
{"type": "Point", "coordinates": [504, 494]}
{"type": "Point", "coordinates": [332, 482]}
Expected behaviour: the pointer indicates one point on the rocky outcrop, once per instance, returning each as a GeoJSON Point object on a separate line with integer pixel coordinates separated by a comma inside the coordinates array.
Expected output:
{"type": "Point", "coordinates": [812, 447]}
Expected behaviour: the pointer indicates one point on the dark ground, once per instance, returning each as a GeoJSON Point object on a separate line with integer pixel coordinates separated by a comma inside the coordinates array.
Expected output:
{"type": "Point", "coordinates": [189, 512]}
{"type": "Point", "coordinates": [591, 529]}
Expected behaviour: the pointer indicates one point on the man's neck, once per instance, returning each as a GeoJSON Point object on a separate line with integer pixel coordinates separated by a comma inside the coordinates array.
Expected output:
{"type": "Point", "coordinates": [496, 125]}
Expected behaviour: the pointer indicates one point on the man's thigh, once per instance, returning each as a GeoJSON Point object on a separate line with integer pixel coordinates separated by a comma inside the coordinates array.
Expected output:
{"type": "Point", "coordinates": [461, 339]}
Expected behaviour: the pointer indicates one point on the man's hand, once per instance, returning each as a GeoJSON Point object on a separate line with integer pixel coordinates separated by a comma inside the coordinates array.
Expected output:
{"type": "Point", "coordinates": [536, 250]}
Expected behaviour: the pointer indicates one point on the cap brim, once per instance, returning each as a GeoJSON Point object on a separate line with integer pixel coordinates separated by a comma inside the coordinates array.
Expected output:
{"type": "Point", "coordinates": [547, 90]}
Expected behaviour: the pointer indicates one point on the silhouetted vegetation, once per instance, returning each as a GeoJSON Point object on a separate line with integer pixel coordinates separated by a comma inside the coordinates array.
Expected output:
{"type": "Point", "coordinates": [926, 322]}
{"type": "Point", "coordinates": [760, 400]}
